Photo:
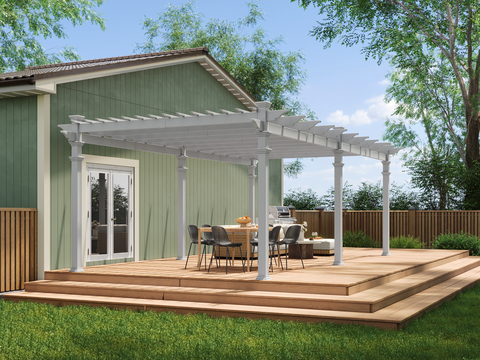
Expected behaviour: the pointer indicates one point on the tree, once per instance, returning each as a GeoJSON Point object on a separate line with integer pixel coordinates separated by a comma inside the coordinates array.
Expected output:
{"type": "Point", "coordinates": [302, 200]}
{"type": "Point", "coordinates": [416, 29]}
{"type": "Point", "coordinates": [22, 22]}
{"type": "Point", "coordinates": [429, 100]}
{"type": "Point", "coordinates": [252, 58]}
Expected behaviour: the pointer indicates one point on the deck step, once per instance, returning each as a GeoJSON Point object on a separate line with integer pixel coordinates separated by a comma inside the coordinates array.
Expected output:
{"type": "Point", "coordinates": [367, 301]}
{"type": "Point", "coordinates": [394, 316]}
{"type": "Point", "coordinates": [284, 281]}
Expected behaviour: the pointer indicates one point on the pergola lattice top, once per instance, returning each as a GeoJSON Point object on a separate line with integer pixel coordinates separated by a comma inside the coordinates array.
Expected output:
{"type": "Point", "coordinates": [227, 136]}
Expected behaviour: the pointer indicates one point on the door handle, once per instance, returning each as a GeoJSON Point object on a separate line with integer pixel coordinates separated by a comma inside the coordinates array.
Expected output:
{"type": "Point", "coordinates": [113, 219]}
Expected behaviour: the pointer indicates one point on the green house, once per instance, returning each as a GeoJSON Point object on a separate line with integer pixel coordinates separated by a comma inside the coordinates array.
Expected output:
{"type": "Point", "coordinates": [129, 195]}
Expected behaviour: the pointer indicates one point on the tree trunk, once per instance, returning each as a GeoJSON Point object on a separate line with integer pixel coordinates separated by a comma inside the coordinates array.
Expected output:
{"type": "Point", "coordinates": [472, 155]}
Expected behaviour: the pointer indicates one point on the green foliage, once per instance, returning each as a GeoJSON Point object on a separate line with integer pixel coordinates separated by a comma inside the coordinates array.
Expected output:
{"type": "Point", "coordinates": [358, 239]}
{"type": "Point", "coordinates": [401, 199]}
{"type": "Point", "coordinates": [369, 196]}
{"type": "Point", "coordinates": [461, 241]}
{"type": "Point", "coordinates": [242, 48]}
{"type": "Point", "coordinates": [38, 331]}
{"type": "Point", "coordinates": [293, 168]}
{"type": "Point", "coordinates": [434, 47]}
{"type": "Point", "coordinates": [405, 242]}
{"type": "Point", "coordinates": [302, 199]}
{"type": "Point", "coordinates": [22, 22]}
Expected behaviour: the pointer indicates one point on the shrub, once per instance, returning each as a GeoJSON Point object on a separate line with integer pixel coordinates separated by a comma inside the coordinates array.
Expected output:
{"type": "Point", "coordinates": [358, 239]}
{"type": "Point", "coordinates": [302, 199]}
{"type": "Point", "coordinates": [461, 241]}
{"type": "Point", "coordinates": [404, 242]}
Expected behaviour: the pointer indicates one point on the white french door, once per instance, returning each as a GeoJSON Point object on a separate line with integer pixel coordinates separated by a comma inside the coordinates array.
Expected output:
{"type": "Point", "coordinates": [110, 212]}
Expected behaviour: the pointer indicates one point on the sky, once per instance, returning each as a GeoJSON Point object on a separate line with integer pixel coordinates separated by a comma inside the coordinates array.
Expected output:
{"type": "Point", "coordinates": [343, 88]}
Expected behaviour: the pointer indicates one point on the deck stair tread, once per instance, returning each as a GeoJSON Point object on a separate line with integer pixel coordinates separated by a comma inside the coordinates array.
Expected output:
{"type": "Point", "coordinates": [357, 277]}
{"type": "Point", "coordinates": [366, 301]}
{"type": "Point", "coordinates": [393, 316]}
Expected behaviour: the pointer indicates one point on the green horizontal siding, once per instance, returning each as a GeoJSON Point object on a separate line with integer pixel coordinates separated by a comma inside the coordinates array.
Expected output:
{"type": "Point", "coordinates": [216, 192]}
{"type": "Point", "coordinates": [18, 152]}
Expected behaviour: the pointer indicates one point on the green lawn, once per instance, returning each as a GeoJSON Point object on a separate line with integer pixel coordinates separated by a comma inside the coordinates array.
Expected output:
{"type": "Point", "coordinates": [35, 331]}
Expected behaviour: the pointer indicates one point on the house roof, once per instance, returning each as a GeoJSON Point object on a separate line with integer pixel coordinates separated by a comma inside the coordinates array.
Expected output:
{"type": "Point", "coordinates": [33, 80]}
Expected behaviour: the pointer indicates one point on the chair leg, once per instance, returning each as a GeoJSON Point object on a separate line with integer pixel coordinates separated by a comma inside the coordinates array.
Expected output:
{"type": "Point", "coordinates": [226, 263]}
{"type": "Point", "coordinates": [241, 256]}
{"type": "Point", "coordinates": [253, 252]}
{"type": "Point", "coordinates": [286, 256]}
{"type": "Point", "coordinates": [279, 256]}
{"type": "Point", "coordinates": [204, 254]}
{"type": "Point", "coordinates": [211, 258]}
{"type": "Point", "coordinates": [190, 248]}
{"type": "Point", "coordinates": [298, 247]}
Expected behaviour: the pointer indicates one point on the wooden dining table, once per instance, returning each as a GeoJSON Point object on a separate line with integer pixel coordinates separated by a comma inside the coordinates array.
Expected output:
{"type": "Point", "coordinates": [231, 229]}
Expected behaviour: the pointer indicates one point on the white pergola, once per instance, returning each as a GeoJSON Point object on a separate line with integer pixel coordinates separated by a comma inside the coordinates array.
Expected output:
{"type": "Point", "coordinates": [248, 138]}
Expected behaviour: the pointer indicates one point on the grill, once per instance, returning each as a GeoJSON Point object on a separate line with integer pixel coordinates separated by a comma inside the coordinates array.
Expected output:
{"type": "Point", "coordinates": [281, 215]}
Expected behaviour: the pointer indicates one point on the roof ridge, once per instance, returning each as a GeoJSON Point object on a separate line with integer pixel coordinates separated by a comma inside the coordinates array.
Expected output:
{"type": "Point", "coordinates": [124, 57]}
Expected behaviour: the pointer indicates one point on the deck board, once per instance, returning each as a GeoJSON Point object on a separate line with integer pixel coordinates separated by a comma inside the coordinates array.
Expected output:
{"type": "Point", "coordinates": [371, 289]}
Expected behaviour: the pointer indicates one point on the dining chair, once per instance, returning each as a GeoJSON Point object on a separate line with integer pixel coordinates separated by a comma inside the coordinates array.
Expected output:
{"type": "Point", "coordinates": [193, 231]}
{"type": "Point", "coordinates": [272, 242]}
{"type": "Point", "coordinates": [291, 238]}
{"type": "Point", "coordinates": [221, 240]}
{"type": "Point", "coordinates": [210, 241]}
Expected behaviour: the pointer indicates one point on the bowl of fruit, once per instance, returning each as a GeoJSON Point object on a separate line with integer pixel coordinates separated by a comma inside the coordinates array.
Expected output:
{"type": "Point", "coordinates": [244, 221]}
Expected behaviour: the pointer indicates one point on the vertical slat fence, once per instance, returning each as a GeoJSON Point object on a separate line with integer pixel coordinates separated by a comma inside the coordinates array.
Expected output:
{"type": "Point", "coordinates": [424, 225]}
{"type": "Point", "coordinates": [18, 248]}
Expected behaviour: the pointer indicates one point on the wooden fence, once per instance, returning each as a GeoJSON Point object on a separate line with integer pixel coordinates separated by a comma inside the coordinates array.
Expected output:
{"type": "Point", "coordinates": [424, 225]}
{"type": "Point", "coordinates": [18, 247]}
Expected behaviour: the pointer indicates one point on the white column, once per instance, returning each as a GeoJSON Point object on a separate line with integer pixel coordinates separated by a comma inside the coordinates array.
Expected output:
{"type": "Point", "coordinates": [386, 208]}
{"type": "Point", "coordinates": [182, 206]}
{"type": "Point", "coordinates": [263, 192]}
{"type": "Point", "coordinates": [338, 165]}
{"type": "Point", "coordinates": [77, 158]}
{"type": "Point", "coordinates": [251, 189]}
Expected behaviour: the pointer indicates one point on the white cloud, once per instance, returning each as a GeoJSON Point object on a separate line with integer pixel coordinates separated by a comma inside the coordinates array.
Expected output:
{"type": "Point", "coordinates": [384, 82]}
{"type": "Point", "coordinates": [377, 111]}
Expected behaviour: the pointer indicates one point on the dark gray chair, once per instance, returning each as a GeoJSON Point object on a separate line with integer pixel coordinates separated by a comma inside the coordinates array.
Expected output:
{"type": "Point", "coordinates": [210, 241]}
{"type": "Point", "coordinates": [193, 231]}
{"type": "Point", "coordinates": [291, 238]}
{"type": "Point", "coordinates": [272, 242]}
{"type": "Point", "coordinates": [221, 240]}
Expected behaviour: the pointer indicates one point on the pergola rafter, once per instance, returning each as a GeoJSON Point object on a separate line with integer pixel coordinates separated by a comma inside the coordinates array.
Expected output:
{"type": "Point", "coordinates": [241, 137]}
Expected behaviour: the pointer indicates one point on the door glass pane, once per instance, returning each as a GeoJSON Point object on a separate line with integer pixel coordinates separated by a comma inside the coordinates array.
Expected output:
{"type": "Point", "coordinates": [120, 212]}
{"type": "Point", "coordinates": [99, 191]}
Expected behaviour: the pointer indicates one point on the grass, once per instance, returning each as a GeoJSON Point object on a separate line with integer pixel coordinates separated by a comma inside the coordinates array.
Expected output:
{"type": "Point", "coordinates": [37, 331]}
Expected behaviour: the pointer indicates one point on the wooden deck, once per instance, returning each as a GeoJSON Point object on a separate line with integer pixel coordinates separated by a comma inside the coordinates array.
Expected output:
{"type": "Point", "coordinates": [370, 289]}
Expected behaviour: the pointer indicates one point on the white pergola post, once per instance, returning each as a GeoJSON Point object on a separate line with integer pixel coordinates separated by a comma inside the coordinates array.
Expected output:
{"type": "Point", "coordinates": [263, 192]}
{"type": "Point", "coordinates": [338, 165]}
{"type": "Point", "coordinates": [386, 208]}
{"type": "Point", "coordinates": [251, 189]}
{"type": "Point", "coordinates": [182, 206]}
{"type": "Point", "coordinates": [77, 159]}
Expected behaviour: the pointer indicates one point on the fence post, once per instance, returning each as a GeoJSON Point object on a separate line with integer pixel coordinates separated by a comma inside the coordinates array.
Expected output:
{"type": "Point", "coordinates": [292, 210]}
{"type": "Point", "coordinates": [412, 225]}
{"type": "Point", "coordinates": [321, 220]}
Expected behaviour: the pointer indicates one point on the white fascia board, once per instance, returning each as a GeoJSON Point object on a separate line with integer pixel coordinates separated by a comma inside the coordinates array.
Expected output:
{"type": "Point", "coordinates": [225, 75]}
{"type": "Point", "coordinates": [26, 90]}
